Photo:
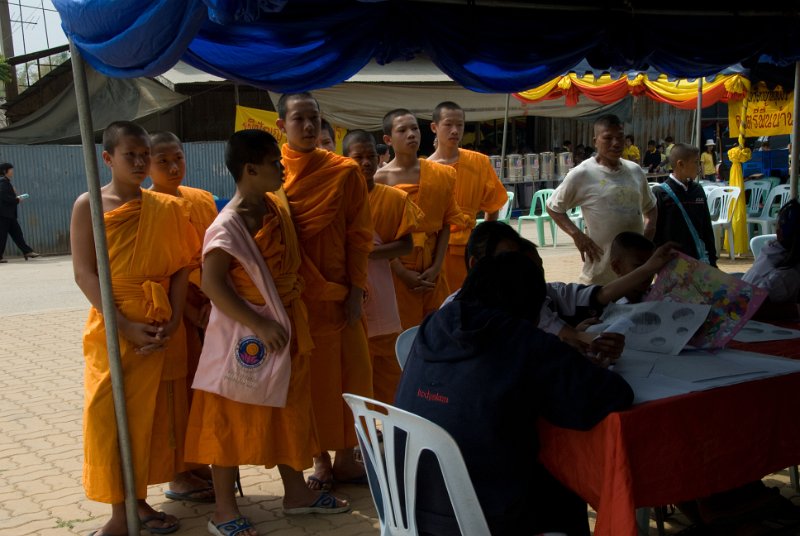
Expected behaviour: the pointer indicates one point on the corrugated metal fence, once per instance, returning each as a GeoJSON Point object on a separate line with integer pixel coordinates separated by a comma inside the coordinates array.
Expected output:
{"type": "Point", "coordinates": [54, 176]}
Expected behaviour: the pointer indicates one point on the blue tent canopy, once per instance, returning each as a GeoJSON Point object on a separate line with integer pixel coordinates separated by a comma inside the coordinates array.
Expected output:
{"type": "Point", "coordinates": [296, 45]}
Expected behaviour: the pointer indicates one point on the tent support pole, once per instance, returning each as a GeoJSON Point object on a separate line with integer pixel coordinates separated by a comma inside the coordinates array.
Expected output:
{"type": "Point", "coordinates": [795, 134]}
{"type": "Point", "coordinates": [699, 125]}
{"type": "Point", "coordinates": [106, 291]}
{"type": "Point", "coordinates": [505, 136]}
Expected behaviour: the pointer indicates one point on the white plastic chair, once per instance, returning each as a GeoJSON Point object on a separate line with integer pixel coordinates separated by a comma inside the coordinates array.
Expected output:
{"type": "Point", "coordinates": [384, 464]}
{"type": "Point", "coordinates": [402, 346]}
{"type": "Point", "coordinates": [756, 193]}
{"type": "Point", "coordinates": [726, 197]}
{"type": "Point", "coordinates": [758, 242]}
{"type": "Point", "coordinates": [767, 221]}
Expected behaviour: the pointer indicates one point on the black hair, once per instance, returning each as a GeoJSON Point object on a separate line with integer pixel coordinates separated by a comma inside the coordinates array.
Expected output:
{"type": "Point", "coordinates": [381, 149]}
{"type": "Point", "coordinates": [629, 137]}
{"type": "Point", "coordinates": [446, 105]}
{"type": "Point", "coordinates": [116, 130]}
{"type": "Point", "coordinates": [248, 147]}
{"type": "Point", "coordinates": [669, 139]}
{"type": "Point", "coordinates": [607, 120]}
{"type": "Point", "coordinates": [485, 237]}
{"type": "Point", "coordinates": [651, 142]}
{"type": "Point", "coordinates": [158, 138]}
{"type": "Point", "coordinates": [628, 241]}
{"type": "Point", "coordinates": [4, 167]}
{"type": "Point", "coordinates": [789, 224]}
{"type": "Point", "coordinates": [682, 151]}
{"type": "Point", "coordinates": [389, 118]}
{"type": "Point", "coordinates": [283, 101]}
{"type": "Point", "coordinates": [511, 282]}
{"type": "Point", "coordinates": [324, 125]}
{"type": "Point", "coordinates": [357, 136]}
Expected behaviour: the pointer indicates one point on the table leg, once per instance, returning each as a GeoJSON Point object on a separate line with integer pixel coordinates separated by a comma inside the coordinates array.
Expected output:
{"type": "Point", "coordinates": [793, 478]}
{"type": "Point", "coordinates": [643, 520]}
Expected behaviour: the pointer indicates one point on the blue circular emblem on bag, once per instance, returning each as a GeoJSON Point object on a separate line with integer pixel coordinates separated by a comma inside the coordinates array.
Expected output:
{"type": "Point", "coordinates": [250, 352]}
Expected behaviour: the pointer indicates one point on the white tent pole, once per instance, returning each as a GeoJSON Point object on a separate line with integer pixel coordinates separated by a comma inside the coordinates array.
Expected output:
{"type": "Point", "coordinates": [699, 126]}
{"type": "Point", "coordinates": [795, 134]}
{"type": "Point", "coordinates": [505, 135]}
{"type": "Point", "coordinates": [106, 292]}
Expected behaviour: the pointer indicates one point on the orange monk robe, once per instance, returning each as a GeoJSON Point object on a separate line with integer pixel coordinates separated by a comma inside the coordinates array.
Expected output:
{"type": "Point", "coordinates": [148, 241]}
{"type": "Point", "coordinates": [328, 201]}
{"type": "Point", "coordinates": [434, 195]}
{"type": "Point", "coordinates": [477, 189]}
{"type": "Point", "coordinates": [228, 433]}
{"type": "Point", "coordinates": [393, 216]}
{"type": "Point", "coordinates": [203, 212]}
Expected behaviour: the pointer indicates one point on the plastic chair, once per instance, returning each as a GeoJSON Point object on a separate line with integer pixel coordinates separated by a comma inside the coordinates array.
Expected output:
{"type": "Point", "coordinates": [402, 346]}
{"type": "Point", "coordinates": [653, 184]}
{"type": "Point", "coordinates": [726, 198]}
{"type": "Point", "coordinates": [758, 242]}
{"type": "Point", "coordinates": [575, 214]}
{"type": "Point", "coordinates": [768, 219]}
{"type": "Point", "coordinates": [756, 193]}
{"type": "Point", "coordinates": [504, 215]}
{"type": "Point", "coordinates": [540, 216]}
{"type": "Point", "coordinates": [387, 468]}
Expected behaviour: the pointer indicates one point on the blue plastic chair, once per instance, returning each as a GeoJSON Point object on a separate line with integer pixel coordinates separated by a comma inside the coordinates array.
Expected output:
{"type": "Point", "coordinates": [539, 214]}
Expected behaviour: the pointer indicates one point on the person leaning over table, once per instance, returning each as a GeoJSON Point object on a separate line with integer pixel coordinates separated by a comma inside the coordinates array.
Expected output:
{"type": "Point", "coordinates": [482, 370]}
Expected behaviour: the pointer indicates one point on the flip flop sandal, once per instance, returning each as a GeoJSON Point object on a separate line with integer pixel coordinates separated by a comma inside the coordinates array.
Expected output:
{"type": "Point", "coordinates": [322, 485]}
{"type": "Point", "coordinates": [158, 516]}
{"type": "Point", "coordinates": [230, 528]}
{"type": "Point", "coordinates": [190, 495]}
{"type": "Point", "coordinates": [325, 504]}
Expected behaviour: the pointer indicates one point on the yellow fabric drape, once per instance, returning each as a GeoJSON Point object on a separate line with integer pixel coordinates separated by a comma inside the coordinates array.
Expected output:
{"type": "Point", "coordinates": [739, 155]}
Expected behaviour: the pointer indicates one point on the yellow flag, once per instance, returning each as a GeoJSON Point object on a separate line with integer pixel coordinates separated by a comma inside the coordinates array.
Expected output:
{"type": "Point", "coordinates": [253, 118]}
{"type": "Point", "coordinates": [769, 112]}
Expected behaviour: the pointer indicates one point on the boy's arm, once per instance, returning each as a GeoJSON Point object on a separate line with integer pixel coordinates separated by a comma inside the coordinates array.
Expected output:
{"type": "Point", "coordinates": [84, 266]}
{"type": "Point", "coordinates": [178, 285]}
{"type": "Point", "coordinates": [397, 248]}
{"type": "Point", "coordinates": [621, 286]}
{"type": "Point", "coordinates": [215, 285]}
{"type": "Point", "coordinates": [650, 219]}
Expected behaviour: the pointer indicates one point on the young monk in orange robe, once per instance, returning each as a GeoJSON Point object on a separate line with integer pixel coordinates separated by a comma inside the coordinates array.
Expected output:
{"type": "Point", "coordinates": [150, 246]}
{"type": "Point", "coordinates": [167, 171]}
{"type": "Point", "coordinates": [394, 216]}
{"type": "Point", "coordinates": [226, 433]}
{"type": "Point", "coordinates": [419, 284]}
{"type": "Point", "coordinates": [477, 186]}
{"type": "Point", "coordinates": [329, 206]}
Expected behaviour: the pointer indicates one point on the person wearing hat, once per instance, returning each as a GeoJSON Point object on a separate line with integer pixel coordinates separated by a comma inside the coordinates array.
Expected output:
{"type": "Point", "coordinates": [708, 161]}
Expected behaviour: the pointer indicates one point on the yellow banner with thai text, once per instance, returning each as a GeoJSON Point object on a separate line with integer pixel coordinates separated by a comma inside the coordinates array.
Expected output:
{"type": "Point", "coordinates": [254, 118]}
{"type": "Point", "coordinates": [770, 112]}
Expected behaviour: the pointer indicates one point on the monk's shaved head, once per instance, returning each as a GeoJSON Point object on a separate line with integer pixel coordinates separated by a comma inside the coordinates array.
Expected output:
{"type": "Point", "coordinates": [388, 119]}
{"type": "Point", "coordinates": [446, 105]}
{"type": "Point", "coordinates": [164, 137]}
{"type": "Point", "coordinates": [357, 136]}
{"type": "Point", "coordinates": [283, 102]}
{"type": "Point", "coordinates": [119, 129]}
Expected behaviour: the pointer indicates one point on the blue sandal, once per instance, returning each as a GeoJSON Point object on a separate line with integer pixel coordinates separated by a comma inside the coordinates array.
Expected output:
{"type": "Point", "coordinates": [230, 528]}
{"type": "Point", "coordinates": [325, 504]}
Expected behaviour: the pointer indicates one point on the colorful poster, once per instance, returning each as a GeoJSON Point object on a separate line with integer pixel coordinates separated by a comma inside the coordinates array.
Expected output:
{"type": "Point", "coordinates": [732, 301]}
{"type": "Point", "coordinates": [770, 112]}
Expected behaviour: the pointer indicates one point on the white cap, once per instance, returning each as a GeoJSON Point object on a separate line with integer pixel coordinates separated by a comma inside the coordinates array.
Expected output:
{"type": "Point", "coordinates": [709, 141]}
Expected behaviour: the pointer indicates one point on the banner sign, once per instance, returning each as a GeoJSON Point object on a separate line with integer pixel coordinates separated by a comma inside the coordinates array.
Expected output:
{"type": "Point", "coordinates": [253, 118]}
{"type": "Point", "coordinates": [769, 112]}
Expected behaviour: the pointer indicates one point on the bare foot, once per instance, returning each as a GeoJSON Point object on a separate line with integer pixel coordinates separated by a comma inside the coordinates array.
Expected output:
{"type": "Point", "coordinates": [203, 472]}
{"type": "Point", "coordinates": [322, 479]}
{"type": "Point", "coordinates": [234, 525]}
{"type": "Point", "coordinates": [303, 499]}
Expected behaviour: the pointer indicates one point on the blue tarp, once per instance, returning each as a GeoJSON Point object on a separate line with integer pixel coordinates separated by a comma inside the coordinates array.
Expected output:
{"type": "Point", "coordinates": [296, 45]}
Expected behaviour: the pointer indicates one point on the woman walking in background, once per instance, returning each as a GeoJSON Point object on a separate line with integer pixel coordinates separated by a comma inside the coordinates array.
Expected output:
{"type": "Point", "coordinates": [708, 160]}
{"type": "Point", "coordinates": [8, 215]}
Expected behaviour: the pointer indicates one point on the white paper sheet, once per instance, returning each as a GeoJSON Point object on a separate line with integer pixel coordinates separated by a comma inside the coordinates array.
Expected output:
{"type": "Point", "coordinates": [755, 331]}
{"type": "Point", "coordinates": [655, 376]}
{"type": "Point", "coordinates": [657, 326]}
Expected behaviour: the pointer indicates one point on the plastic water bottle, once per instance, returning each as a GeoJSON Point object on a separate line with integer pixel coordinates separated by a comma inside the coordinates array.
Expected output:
{"type": "Point", "coordinates": [23, 196]}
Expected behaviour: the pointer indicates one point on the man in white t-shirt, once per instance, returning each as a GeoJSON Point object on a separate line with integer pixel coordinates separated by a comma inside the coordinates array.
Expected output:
{"type": "Point", "coordinates": [613, 195]}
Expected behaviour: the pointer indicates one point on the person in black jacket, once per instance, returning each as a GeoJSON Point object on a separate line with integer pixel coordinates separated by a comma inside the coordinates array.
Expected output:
{"type": "Point", "coordinates": [671, 224]}
{"type": "Point", "coordinates": [482, 370]}
{"type": "Point", "coordinates": [8, 215]}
